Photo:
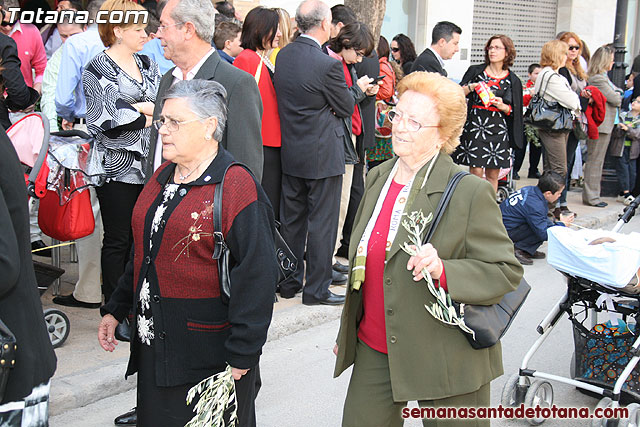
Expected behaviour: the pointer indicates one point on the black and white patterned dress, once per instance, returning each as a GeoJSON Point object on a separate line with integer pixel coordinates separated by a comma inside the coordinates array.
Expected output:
{"type": "Point", "coordinates": [484, 142]}
{"type": "Point", "coordinates": [118, 127]}
{"type": "Point", "coordinates": [146, 332]}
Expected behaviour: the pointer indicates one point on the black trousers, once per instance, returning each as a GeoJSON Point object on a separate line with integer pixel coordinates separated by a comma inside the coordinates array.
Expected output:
{"type": "Point", "coordinates": [272, 177]}
{"type": "Point", "coordinates": [309, 211]}
{"type": "Point", "coordinates": [524, 238]}
{"type": "Point", "coordinates": [117, 200]}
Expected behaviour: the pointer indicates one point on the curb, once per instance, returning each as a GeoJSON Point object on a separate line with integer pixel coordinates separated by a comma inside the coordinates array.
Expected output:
{"type": "Point", "coordinates": [595, 222]}
{"type": "Point", "coordinates": [83, 388]}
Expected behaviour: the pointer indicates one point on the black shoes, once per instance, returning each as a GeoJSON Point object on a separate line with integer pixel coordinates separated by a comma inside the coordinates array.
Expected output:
{"type": "Point", "coordinates": [289, 295]}
{"type": "Point", "coordinates": [70, 301]}
{"type": "Point", "coordinates": [537, 255]}
{"type": "Point", "coordinates": [600, 205]}
{"type": "Point", "coordinates": [534, 175]}
{"type": "Point", "coordinates": [516, 176]}
{"type": "Point", "coordinates": [338, 278]}
{"type": "Point", "coordinates": [39, 244]}
{"type": "Point", "coordinates": [523, 257]}
{"type": "Point", "coordinates": [332, 299]}
{"type": "Point", "coordinates": [127, 419]}
{"type": "Point", "coordinates": [340, 268]}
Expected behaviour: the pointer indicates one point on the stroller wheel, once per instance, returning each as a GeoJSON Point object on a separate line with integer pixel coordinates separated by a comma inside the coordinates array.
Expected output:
{"type": "Point", "coordinates": [57, 325]}
{"type": "Point", "coordinates": [605, 402]}
{"type": "Point", "coordinates": [502, 194]}
{"type": "Point", "coordinates": [509, 391]}
{"type": "Point", "coordinates": [633, 420]}
{"type": "Point", "coordinates": [539, 394]}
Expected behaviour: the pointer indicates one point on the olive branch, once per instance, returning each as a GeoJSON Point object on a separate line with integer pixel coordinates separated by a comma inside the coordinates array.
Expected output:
{"type": "Point", "coordinates": [442, 309]}
{"type": "Point", "coordinates": [217, 393]}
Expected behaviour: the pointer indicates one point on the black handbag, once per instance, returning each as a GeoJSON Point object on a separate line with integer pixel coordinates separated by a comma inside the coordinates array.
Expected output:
{"type": "Point", "coordinates": [287, 261]}
{"type": "Point", "coordinates": [8, 348]}
{"type": "Point", "coordinates": [488, 322]}
{"type": "Point", "coordinates": [123, 330]}
{"type": "Point", "coordinates": [547, 115]}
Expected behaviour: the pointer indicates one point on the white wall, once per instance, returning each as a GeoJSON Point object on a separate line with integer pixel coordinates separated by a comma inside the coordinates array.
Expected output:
{"type": "Point", "coordinates": [592, 20]}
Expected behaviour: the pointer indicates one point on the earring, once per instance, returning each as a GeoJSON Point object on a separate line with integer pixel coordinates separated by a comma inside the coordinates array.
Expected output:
{"type": "Point", "coordinates": [207, 137]}
{"type": "Point", "coordinates": [119, 40]}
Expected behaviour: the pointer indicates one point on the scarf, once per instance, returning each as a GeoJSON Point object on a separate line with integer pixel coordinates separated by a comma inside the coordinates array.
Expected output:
{"type": "Point", "coordinates": [402, 201]}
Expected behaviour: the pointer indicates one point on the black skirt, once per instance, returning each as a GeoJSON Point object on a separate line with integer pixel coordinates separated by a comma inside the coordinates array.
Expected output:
{"type": "Point", "coordinates": [159, 406]}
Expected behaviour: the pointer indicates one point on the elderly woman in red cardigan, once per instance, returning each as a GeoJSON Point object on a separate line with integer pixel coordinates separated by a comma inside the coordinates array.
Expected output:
{"type": "Point", "coordinates": [260, 34]}
{"type": "Point", "coordinates": [183, 331]}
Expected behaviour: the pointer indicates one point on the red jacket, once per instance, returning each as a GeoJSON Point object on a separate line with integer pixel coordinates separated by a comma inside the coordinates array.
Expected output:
{"type": "Point", "coordinates": [595, 112]}
{"type": "Point", "coordinates": [248, 61]}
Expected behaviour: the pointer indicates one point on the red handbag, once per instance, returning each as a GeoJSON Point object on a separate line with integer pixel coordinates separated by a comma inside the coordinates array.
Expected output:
{"type": "Point", "coordinates": [69, 221]}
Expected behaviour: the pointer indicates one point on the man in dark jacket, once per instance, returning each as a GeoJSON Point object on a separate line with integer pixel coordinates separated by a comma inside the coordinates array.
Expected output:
{"type": "Point", "coordinates": [445, 40]}
{"type": "Point", "coordinates": [312, 100]}
{"type": "Point", "coordinates": [524, 215]}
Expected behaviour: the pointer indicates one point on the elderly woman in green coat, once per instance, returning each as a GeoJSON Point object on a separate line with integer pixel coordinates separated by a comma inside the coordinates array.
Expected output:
{"type": "Point", "coordinates": [398, 350]}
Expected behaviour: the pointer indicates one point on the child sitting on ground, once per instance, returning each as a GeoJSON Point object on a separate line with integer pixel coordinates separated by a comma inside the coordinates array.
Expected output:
{"type": "Point", "coordinates": [524, 215]}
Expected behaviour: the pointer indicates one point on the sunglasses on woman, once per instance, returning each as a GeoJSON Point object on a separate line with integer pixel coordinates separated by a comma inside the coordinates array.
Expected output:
{"type": "Point", "coordinates": [395, 49]}
{"type": "Point", "coordinates": [574, 47]}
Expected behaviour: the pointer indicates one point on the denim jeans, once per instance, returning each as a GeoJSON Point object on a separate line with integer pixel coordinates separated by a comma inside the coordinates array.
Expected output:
{"type": "Point", "coordinates": [626, 171]}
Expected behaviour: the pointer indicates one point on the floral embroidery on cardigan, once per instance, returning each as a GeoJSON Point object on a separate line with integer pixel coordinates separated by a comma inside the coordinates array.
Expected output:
{"type": "Point", "coordinates": [195, 230]}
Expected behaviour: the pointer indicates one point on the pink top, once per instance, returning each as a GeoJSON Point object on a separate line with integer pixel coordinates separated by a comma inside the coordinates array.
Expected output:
{"type": "Point", "coordinates": [30, 51]}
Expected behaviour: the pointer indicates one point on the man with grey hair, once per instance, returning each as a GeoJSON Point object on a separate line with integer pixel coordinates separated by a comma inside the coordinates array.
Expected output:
{"type": "Point", "coordinates": [186, 30]}
{"type": "Point", "coordinates": [312, 100]}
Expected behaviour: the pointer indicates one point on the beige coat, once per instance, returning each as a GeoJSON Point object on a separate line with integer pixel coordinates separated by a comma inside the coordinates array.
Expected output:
{"type": "Point", "coordinates": [614, 99]}
{"type": "Point", "coordinates": [427, 359]}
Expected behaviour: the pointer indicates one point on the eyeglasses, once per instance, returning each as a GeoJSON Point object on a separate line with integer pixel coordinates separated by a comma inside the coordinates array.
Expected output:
{"type": "Point", "coordinates": [412, 125]}
{"type": "Point", "coordinates": [174, 125]}
{"type": "Point", "coordinates": [395, 49]}
{"type": "Point", "coordinates": [495, 48]}
{"type": "Point", "coordinates": [164, 27]}
{"type": "Point", "coordinates": [574, 47]}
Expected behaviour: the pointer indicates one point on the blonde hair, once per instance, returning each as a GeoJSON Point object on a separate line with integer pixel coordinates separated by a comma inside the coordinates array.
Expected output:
{"type": "Point", "coordinates": [553, 52]}
{"type": "Point", "coordinates": [450, 103]}
{"type": "Point", "coordinates": [285, 27]}
{"type": "Point", "coordinates": [127, 19]}
{"type": "Point", "coordinates": [575, 67]}
{"type": "Point", "coordinates": [600, 60]}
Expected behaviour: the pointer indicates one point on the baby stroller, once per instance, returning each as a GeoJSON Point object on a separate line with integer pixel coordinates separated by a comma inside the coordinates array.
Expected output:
{"type": "Point", "coordinates": [606, 354]}
{"type": "Point", "coordinates": [506, 186]}
{"type": "Point", "coordinates": [30, 136]}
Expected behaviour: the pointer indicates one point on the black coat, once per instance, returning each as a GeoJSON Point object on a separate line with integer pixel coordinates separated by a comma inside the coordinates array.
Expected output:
{"type": "Point", "coordinates": [313, 98]}
{"type": "Point", "coordinates": [514, 120]}
{"type": "Point", "coordinates": [370, 66]}
{"type": "Point", "coordinates": [19, 95]}
{"type": "Point", "coordinates": [20, 307]}
{"type": "Point", "coordinates": [428, 62]}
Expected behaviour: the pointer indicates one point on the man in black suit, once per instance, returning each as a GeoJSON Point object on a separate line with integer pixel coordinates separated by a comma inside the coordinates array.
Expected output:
{"type": "Point", "coordinates": [312, 99]}
{"type": "Point", "coordinates": [445, 39]}
{"type": "Point", "coordinates": [185, 32]}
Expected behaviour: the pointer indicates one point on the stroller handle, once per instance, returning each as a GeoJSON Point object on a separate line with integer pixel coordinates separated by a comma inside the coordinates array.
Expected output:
{"type": "Point", "coordinates": [73, 132]}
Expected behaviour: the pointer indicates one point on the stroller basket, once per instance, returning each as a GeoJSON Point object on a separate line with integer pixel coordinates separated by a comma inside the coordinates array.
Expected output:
{"type": "Point", "coordinates": [46, 274]}
{"type": "Point", "coordinates": [603, 351]}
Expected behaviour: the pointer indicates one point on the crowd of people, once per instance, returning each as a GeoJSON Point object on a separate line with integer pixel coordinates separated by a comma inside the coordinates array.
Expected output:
{"type": "Point", "coordinates": [342, 134]}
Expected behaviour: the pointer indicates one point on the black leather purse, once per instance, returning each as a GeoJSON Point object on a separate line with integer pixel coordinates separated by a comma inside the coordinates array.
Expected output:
{"type": "Point", "coordinates": [8, 348]}
{"type": "Point", "coordinates": [547, 115]}
{"type": "Point", "coordinates": [488, 322]}
{"type": "Point", "coordinates": [287, 261]}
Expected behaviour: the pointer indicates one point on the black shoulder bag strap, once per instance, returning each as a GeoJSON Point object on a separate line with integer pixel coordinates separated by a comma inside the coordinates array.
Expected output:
{"type": "Point", "coordinates": [442, 205]}
{"type": "Point", "coordinates": [220, 252]}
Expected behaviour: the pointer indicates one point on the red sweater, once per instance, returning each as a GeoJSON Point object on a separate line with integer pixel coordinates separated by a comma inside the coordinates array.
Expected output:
{"type": "Point", "coordinates": [248, 61]}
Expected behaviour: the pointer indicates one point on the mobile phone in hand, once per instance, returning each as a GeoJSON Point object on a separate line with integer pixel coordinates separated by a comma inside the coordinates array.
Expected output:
{"type": "Point", "coordinates": [377, 79]}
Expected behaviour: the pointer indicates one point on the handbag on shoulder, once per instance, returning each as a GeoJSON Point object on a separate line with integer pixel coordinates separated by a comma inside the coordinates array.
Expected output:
{"type": "Point", "coordinates": [8, 348]}
{"type": "Point", "coordinates": [547, 115]}
{"type": "Point", "coordinates": [488, 322]}
{"type": "Point", "coordinates": [285, 258]}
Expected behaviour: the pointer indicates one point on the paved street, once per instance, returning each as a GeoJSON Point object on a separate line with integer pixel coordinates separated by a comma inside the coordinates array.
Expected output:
{"type": "Point", "coordinates": [298, 388]}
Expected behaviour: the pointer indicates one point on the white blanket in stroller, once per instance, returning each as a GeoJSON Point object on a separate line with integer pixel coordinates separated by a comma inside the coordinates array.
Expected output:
{"type": "Point", "coordinates": [612, 264]}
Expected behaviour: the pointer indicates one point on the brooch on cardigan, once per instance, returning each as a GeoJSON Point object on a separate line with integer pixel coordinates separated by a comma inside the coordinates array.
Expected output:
{"type": "Point", "coordinates": [195, 230]}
